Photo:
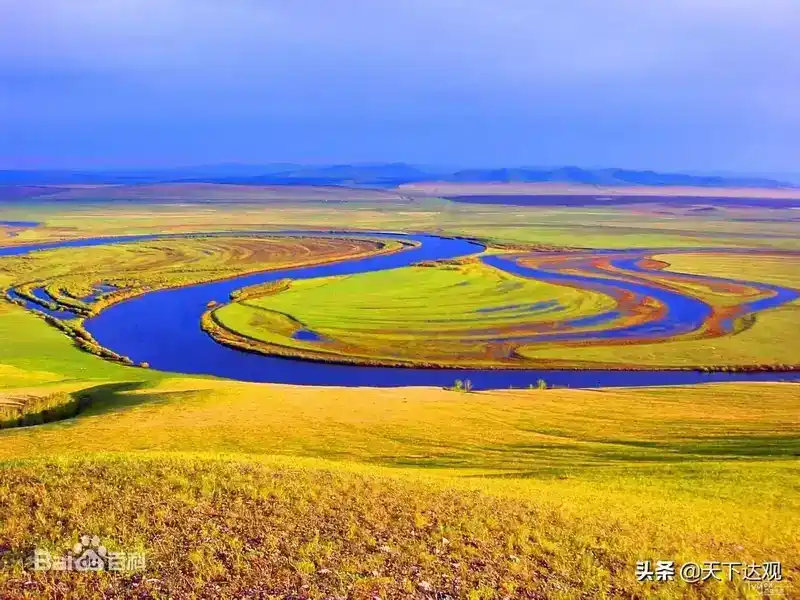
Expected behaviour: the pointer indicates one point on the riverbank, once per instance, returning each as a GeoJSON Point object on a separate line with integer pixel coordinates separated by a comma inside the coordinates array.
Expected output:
{"type": "Point", "coordinates": [154, 330]}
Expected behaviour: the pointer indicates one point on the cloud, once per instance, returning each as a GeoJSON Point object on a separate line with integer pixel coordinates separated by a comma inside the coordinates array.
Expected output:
{"type": "Point", "coordinates": [317, 61]}
{"type": "Point", "coordinates": [574, 36]}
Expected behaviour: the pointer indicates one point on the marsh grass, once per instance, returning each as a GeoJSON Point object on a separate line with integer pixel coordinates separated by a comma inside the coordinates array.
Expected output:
{"type": "Point", "coordinates": [132, 268]}
{"type": "Point", "coordinates": [767, 340]}
{"type": "Point", "coordinates": [541, 384]}
{"type": "Point", "coordinates": [453, 313]}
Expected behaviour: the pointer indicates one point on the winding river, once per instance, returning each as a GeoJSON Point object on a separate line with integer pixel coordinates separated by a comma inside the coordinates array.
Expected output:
{"type": "Point", "coordinates": [162, 327]}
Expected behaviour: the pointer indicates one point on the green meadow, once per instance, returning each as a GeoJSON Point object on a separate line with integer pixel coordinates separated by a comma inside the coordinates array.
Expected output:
{"type": "Point", "coordinates": [448, 314]}
{"type": "Point", "coordinates": [466, 313]}
{"type": "Point", "coordinates": [238, 490]}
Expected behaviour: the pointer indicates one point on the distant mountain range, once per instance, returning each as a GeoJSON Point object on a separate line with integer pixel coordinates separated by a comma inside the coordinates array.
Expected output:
{"type": "Point", "coordinates": [384, 175]}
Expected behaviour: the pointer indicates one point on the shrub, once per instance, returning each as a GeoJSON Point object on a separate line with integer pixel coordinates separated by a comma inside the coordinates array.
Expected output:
{"type": "Point", "coordinates": [460, 385]}
{"type": "Point", "coordinates": [36, 411]}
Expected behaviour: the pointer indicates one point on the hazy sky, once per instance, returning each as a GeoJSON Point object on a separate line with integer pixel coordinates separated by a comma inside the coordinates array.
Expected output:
{"type": "Point", "coordinates": [665, 84]}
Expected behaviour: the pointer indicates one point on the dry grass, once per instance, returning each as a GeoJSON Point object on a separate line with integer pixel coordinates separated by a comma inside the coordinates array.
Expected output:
{"type": "Point", "coordinates": [25, 407]}
{"type": "Point", "coordinates": [268, 489]}
{"type": "Point", "coordinates": [241, 529]}
{"type": "Point", "coordinates": [70, 274]}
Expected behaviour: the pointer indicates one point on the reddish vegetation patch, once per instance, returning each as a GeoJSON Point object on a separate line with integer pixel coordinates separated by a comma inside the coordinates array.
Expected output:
{"type": "Point", "coordinates": [638, 309]}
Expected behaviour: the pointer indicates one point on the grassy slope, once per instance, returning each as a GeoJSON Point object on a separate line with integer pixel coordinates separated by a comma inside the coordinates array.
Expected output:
{"type": "Point", "coordinates": [304, 480]}
{"type": "Point", "coordinates": [561, 473]}
{"type": "Point", "coordinates": [33, 353]}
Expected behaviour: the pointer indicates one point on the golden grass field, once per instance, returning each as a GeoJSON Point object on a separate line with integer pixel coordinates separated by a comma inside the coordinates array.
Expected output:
{"type": "Point", "coordinates": [69, 274]}
{"type": "Point", "coordinates": [237, 490]}
{"type": "Point", "coordinates": [555, 492]}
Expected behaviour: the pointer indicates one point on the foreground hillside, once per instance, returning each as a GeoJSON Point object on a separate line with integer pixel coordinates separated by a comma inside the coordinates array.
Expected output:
{"type": "Point", "coordinates": [253, 528]}
{"type": "Point", "coordinates": [259, 491]}
{"type": "Point", "coordinates": [235, 490]}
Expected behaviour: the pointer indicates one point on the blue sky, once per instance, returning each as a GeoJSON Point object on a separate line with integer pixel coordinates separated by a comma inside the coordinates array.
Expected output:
{"type": "Point", "coordinates": [664, 84]}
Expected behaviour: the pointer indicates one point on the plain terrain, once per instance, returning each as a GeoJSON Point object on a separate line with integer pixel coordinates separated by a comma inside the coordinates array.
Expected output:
{"type": "Point", "coordinates": [266, 491]}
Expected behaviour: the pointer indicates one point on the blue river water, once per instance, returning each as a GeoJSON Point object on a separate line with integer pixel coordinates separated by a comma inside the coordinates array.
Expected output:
{"type": "Point", "coordinates": [162, 328]}
{"type": "Point", "coordinates": [22, 224]}
{"type": "Point", "coordinates": [685, 314]}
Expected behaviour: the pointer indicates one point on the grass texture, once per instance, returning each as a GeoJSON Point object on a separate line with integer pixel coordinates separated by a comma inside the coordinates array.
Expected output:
{"type": "Point", "coordinates": [70, 275]}
{"type": "Point", "coordinates": [468, 314]}
{"type": "Point", "coordinates": [439, 314]}
{"type": "Point", "coordinates": [239, 489]}
{"type": "Point", "coordinates": [236, 490]}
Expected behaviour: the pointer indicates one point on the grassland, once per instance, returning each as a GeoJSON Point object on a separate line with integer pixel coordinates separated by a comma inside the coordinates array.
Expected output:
{"type": "Point", "coordinates": [23, 408]}
{"type": "Point", "coordinates": [246, 490]}
{"type": "Point", "coordinates": [645, 226]}
{"type": "Point", "coordinates": [70, 275]}
{"type": "Point", "coordinates": [237, 490]}
{"type": "Point", "coordinates": [470, 314]}
{"type": "Point", "coordinates": [447, 314]}
{"type": "Point", "coordinates": [84, 281]}
{"type": "Point", "coordinates": [33, 353]}
{"type": "Point", "coordinates": [602, 192]}
{"type": "Point", "coordinates": [771, 337]}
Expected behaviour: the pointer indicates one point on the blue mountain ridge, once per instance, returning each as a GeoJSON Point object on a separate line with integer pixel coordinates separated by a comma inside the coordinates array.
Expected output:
{"type": "Point", "coordinates": [378, 175]}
